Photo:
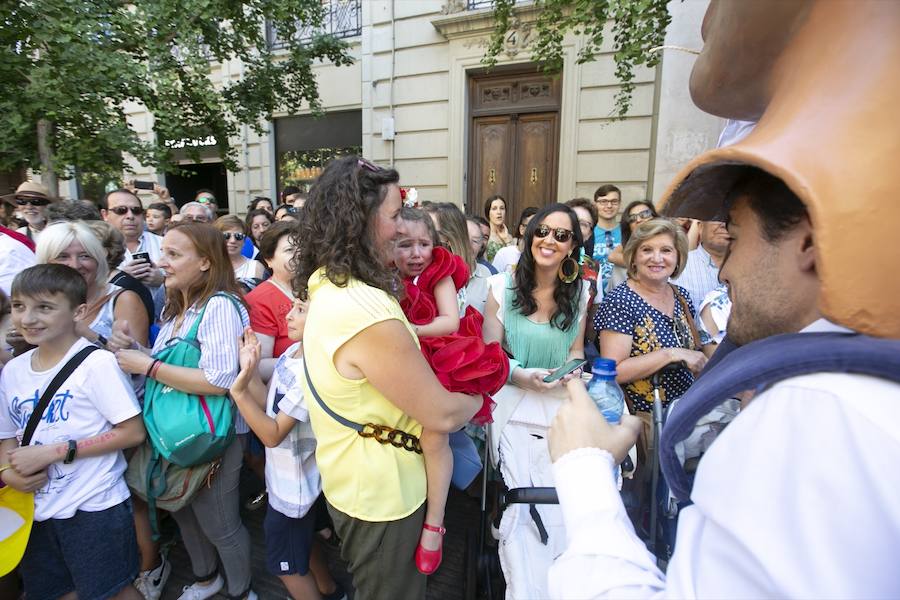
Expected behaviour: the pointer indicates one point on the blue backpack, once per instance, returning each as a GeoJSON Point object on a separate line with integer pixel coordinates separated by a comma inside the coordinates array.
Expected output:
{"type": "Point", "coordinates": [765, 362]}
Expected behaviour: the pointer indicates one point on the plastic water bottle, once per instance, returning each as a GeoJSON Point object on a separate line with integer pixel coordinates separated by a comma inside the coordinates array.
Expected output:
{"type": "Point", "coordinates": [604, 391]}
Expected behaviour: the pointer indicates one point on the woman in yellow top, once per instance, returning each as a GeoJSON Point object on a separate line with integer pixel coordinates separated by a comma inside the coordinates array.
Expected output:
{"type": "Point", "coordinates": [364, 363]}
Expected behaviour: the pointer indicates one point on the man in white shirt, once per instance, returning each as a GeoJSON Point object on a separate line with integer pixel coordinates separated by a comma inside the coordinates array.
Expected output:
{"type": "Point", "coordinates": [701, 272]}
{"type": "Point", "coordinates": [796, 498]}
{"type": "Point", "coordinates": [124, 211]}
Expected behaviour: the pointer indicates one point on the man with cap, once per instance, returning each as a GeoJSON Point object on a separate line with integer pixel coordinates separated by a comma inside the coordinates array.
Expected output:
{"type": "Point", "coordinates": [798, 496]}
{"type": "Point", "coordinates": [16, 249]}
{"type": "Point", "coordinates": [31, 201]}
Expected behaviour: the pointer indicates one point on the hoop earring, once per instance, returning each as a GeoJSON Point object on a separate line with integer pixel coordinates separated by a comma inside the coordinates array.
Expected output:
{"type": "Point", "coordinates": [562, 270]}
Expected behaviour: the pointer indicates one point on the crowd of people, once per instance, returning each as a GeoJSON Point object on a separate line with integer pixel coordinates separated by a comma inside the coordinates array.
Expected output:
{"type": "Point", "coordinates": [292, 317]}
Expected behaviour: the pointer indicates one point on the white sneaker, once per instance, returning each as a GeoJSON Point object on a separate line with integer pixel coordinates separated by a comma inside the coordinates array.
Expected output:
{"type": "Point", "coordinates": [151, 583]}
{"type": "Point", "coordinates": [202, 592]}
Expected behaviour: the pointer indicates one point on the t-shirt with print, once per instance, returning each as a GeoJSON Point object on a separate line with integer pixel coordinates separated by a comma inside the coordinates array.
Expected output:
{"type": "Point", "coordinates": [625, 311]}
{"type": "Point", "coordinates": [292, 475]}
{"type": "Point", "coordinates": [91, 401]}
{"type": "Point", "coordinates": [604, 242]}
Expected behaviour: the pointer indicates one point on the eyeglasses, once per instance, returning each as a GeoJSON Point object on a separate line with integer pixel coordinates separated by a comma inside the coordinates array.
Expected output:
{"type": "Point", "coordinates": [32, 201]}
{"type": "Point", "coordinates": [607, 202]}
{"type": "Point", "coordinates": [559, 234]}
{"type": "Point", "coordinates": [644, 214]}
{"type": "Point", "coordinates": [206, 200]}
{"type": "Point", "coordinates": [683, 336]}
{"type": "Point", "coordinates": [122, 210]}
{"type": "Point", "coordinates": [368, 165]}
{"type": "Point", "coordinates": [236, 235]}
{"type": "Point", "coordinates": [586, 224]}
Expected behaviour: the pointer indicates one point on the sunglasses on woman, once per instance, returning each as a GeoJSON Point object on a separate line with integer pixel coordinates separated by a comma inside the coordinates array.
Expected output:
{"type": "Point", "coordinates": [32, 201]}
{"type": "Point", "coordinates": [644, 214]}
{"type": "Point", "coordinates": [559, 234]}
{"type": "Point", "coordinates": [237, 236]}
{"type": "Point", "coordinates": [121, 210]}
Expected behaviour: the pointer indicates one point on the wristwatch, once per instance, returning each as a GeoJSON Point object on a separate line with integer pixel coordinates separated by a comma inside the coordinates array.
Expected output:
{"type": "Point", "coordinates": [70, 453]}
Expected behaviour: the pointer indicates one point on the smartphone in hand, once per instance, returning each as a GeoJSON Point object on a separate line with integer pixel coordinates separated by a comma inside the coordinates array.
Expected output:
{"type": "Point", "coordinates": [143, 185]}
{"type": "Point", "coordinates": [569, 367]}
{"type": "Point", "coordinates": [144, 256]}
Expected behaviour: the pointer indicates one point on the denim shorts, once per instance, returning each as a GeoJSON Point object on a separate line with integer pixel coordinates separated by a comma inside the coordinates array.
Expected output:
{"type": "Point", "coordinates": [288, 542]}
{"type": "Point", "coordinates": [91, 553]}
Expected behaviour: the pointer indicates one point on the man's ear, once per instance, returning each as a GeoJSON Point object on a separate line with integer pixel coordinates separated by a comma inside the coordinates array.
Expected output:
{"type": "Point", "coordinates": [104, 213]}
{"type": "Point", "coordinates": [806, 254]}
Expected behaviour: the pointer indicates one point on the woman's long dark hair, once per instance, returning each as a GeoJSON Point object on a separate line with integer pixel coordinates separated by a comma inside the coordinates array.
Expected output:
{"type": "Point", "coordinates": [566, 295]}
{"type": "Point", "coordinates": [625, 226]}
{"type": "Point", "coordinates": [335, 227]}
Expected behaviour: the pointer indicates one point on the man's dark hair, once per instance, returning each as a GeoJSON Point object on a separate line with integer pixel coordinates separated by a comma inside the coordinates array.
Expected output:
{"type": "Point", "coordinates": [605, 189]}
{"type": "Point", "coordinates": [479, 219]}
{"type": "Point", "coordinates": [288, 191]}
{"type": "Point", "coordinates": [104, 202]}
{"type": "Point", "coordinates": [50, 279]}
{"type": "Point", "coordinates": [73, 210]}
{"type": "Point", "coordinates": [586, 205]}
{"type": "Point", "coordinates": [779, 210]}
{"type": "Point", "coordinates": [161, 207]}
{"type": "Point", "coordinates": [205, 191]}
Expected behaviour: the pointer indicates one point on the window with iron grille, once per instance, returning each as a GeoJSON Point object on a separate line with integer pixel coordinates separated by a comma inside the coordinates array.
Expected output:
{"type": "Point", "coordinates": [343, 19]}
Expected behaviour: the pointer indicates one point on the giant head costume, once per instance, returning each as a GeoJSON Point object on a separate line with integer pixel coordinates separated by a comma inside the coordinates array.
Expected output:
{"type": "Point", "coordinates": [822, 77]}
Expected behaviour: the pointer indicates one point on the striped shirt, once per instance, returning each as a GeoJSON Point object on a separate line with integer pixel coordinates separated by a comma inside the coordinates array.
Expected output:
{"type": "Point", "coordinates": [218, 335]}
{"type": "Point", "coordinates": [700, 276]}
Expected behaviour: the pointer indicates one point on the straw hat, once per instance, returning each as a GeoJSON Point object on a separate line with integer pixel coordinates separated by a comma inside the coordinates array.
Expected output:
{"type": "Point", "coordinates": [28, 189]}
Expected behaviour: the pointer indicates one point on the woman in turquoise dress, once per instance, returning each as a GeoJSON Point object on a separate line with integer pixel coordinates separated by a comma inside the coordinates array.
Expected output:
{"type": "Point", "coordinates": [538, 315]}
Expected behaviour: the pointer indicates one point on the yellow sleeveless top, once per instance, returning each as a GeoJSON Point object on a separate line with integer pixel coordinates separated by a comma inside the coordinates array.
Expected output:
{"type": "Point", "coordinates": [360, 477]}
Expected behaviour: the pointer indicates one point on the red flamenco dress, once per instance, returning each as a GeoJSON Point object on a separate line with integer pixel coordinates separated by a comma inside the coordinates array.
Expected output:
{"type": "Point", "coordinates": [461, 361]}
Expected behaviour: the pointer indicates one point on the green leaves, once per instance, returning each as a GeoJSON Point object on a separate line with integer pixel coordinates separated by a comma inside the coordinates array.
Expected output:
{"type": "Point", "coordinates": [85, 64]}
{"type": "Point", "coordinates": [636, 26]}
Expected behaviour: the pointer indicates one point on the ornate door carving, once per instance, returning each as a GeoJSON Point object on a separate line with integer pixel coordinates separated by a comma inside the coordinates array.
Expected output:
{"type": "Point", "coordinates": [513, 141]}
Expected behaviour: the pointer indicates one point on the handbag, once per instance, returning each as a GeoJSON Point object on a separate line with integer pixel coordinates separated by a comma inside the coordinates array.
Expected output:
{"type": "Point", "coordinates": [466, 461]}
{"type": "Point", "coordinates": [17, 508]}
{"type": "Point", "coordinates": [169, 487]}
{"type": "Point", "coordinates": [695, 335]}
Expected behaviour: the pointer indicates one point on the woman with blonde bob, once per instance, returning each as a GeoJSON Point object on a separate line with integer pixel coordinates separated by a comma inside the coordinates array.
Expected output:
{"type": "Point", "coordinates": [647, 323]}
{"type": "Point", "coordinates": [75, 244]}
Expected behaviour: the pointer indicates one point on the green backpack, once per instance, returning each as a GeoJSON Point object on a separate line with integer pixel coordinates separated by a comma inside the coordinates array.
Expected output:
{"type": "Point", "coordinates": [187, 429]}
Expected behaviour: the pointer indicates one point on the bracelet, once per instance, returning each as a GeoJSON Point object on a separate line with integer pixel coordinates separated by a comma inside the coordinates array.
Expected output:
{"type": "Point", "coordinates": [155, 368]}
{"type": "Point", "coordinates": [3, 468]}
{"type": "Point", "coordinates": [102, 340]}
{"type": "Point", "coordinates": [153, 365]}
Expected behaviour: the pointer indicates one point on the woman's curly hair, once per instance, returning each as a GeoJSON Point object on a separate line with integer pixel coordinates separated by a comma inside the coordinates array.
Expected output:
{"type": "Point", "coordinates": [566, 295]}
{"type": "Point", "coordinates": [335, 227]}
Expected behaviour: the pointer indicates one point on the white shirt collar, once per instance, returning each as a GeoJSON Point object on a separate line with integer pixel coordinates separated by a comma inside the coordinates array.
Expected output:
{"type": "Point", "coordinates": [824, 325]}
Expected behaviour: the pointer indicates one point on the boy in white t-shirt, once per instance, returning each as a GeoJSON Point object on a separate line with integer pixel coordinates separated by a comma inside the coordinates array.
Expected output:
{"type": "Point", "coordinates": [292, 476]}
{"type": "Point", "coordinates": [82, 542]}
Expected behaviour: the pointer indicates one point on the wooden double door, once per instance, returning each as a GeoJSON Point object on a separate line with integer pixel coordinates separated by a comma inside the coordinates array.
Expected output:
{"type": "Point", "coordinates": [513, 142]}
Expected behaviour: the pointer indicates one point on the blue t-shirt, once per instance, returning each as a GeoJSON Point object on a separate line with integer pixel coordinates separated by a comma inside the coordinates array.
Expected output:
{"type": "Point", "coordinates": [625, 311]}
{"type": "Point", "coordinates": [604, 241]}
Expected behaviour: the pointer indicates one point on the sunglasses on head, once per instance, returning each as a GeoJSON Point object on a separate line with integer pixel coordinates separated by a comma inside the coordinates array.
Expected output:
{"type": "Point", "coordinates": [559, 234]}
{"type": "Point", "coordinates": [122, 210]}
{"type": "Point", "coordinates": [206, 200]}
{"type": "Point", "coordinates": [368, 165]}
{"type": "Point", "coordinates": [644, 214]}
{"type": "Point", "coordinates": [236, 235]}
{"type": "Point", "coordinates": [32, 201]}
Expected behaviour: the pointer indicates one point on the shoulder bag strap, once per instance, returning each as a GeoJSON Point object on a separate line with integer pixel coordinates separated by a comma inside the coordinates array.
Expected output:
{"type": "Point", "coordinates": [343, 421]}
{"type": "Point", "coordinates": [687, 316]}
{"type": "Point", "coordinates": [195, 327]}
{"type": "Point", "coordinates": [55, 384]}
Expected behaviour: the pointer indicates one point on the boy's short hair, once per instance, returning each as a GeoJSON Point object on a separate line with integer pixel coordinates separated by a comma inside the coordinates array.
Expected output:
{"type": "Point", "coordinates": [161, 207]}
{"type": "Point", "coordinates": [50, 279]}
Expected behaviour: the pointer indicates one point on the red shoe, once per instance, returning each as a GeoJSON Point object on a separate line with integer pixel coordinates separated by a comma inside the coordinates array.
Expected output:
{"type": "Point", "coordinates": [427, 561]}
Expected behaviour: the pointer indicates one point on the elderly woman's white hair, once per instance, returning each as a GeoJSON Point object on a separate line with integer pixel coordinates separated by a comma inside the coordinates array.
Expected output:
{"type": "Point", "coordinates": [57, 237]}
{"type": "Point", "coordinates": [210, 215]}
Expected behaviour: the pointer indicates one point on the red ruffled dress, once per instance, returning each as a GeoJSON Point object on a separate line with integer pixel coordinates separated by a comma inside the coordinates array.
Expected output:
{"type": "Point", "coordinates": [461, 361]}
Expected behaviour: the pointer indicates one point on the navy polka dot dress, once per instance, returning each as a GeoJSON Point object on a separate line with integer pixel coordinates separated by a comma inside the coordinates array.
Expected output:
{"type": "Point", "coordinates": [623, 310]}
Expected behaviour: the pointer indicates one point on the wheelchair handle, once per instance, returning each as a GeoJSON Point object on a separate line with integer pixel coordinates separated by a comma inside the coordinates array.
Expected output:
{"type": "Point", "coordinates": [530, 495]}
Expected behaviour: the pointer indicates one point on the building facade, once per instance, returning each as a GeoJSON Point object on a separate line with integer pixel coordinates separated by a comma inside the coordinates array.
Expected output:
{"type": "Point", "coordinates": [418, 97]}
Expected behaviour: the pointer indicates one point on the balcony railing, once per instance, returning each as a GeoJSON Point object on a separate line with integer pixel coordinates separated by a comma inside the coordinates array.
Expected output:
{"type": "Point", "coordinates": [477, 4]}
{"type": "Point", "coordinates": [343, 19]}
